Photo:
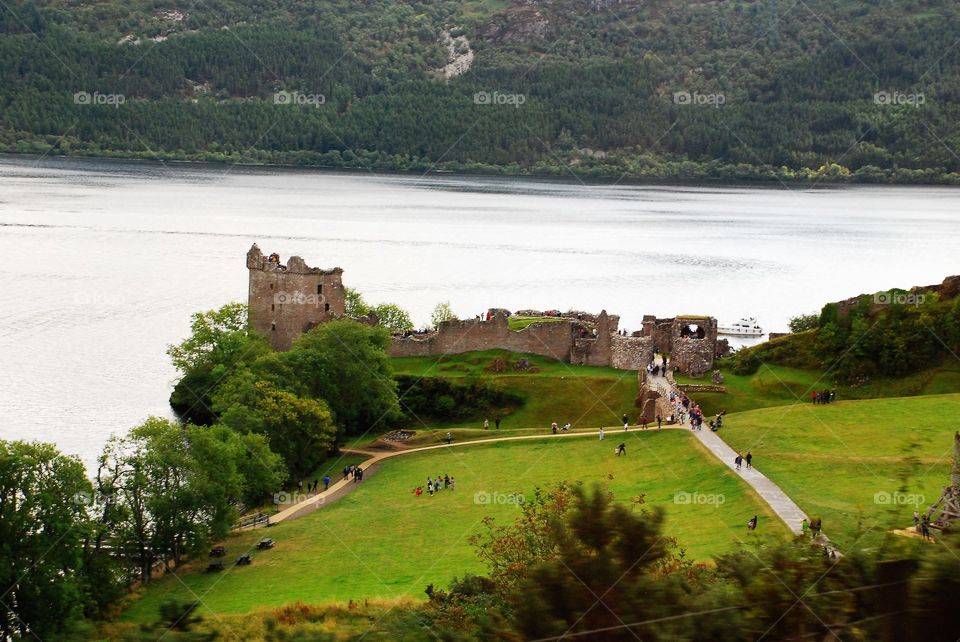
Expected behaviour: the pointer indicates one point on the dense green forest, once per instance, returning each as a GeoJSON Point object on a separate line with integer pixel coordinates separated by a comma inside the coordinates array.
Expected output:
{"type": "Point", "coordinates": [838, 90]}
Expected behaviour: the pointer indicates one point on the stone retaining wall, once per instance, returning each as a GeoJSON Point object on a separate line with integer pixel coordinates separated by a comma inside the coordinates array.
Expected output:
{"type": "Point", "coordinates": [700, 387]}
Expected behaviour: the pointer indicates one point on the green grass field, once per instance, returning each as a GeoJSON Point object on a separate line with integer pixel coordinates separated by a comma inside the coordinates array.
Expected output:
{"type": "Point", "coordinates": [846, 461]}
{"type": "Point", "coordinates": [554, 391]}
{"type": "Point", "coordinates": [381, 541]}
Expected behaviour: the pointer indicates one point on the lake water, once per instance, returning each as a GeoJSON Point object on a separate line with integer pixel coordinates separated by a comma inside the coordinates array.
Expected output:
{"type": "Point", "coordinates": [105, 261]}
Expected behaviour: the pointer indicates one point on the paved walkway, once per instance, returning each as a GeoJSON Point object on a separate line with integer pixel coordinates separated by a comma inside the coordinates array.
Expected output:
{"type": "Point", "coordinates": [785, 508]}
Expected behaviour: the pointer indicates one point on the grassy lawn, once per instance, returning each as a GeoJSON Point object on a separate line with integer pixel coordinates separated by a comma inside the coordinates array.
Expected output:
{"type": "Point", "coordinates": [585, 396]}
{"type": "Point", "coordinates": [381, 541]}
{"type": "Point", "coordinates": [844, 460]}
{"type": "Point", "coordinates": [770, 386]}
{"type": "Point", "coordinates": [519, 323]}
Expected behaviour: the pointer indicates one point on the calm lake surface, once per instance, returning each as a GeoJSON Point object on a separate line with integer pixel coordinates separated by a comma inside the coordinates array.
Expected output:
{"type": "Point", "coordinates": [105, 261]}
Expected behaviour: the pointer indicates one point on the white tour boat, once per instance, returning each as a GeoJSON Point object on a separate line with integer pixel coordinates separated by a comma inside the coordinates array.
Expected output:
{"type": "Point", "coordinates": [742, 328]}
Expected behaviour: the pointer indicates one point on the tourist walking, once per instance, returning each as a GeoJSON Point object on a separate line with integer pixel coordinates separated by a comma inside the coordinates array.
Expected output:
{"type": "Point", "coordinates": [449, 438]}
{"type": "Point", "coordinates": [486, 424]}
{"type": "Point", "coordinates": [601, 433]}
{"type": "Point", "coordinates": [626, 422]}
{"type": "Point", "coordinates": [738, 461]}
{"type": "Point", "coordinates": [816, 525]}
{"type": "Point", "coordinates": [659, 422]}
{"type": "Point", "coordinates": [748, 459]}
{"type": "Point", "coordinates": [621, 449]}
{"type": "Point", "coordinates": [752, 524]}
{"type": "Point", "coordinates": [326, 482]}
{"type": "Point", "coordinates": [553, 427]}
{"type": "Point", "coordinates": [496, 422]}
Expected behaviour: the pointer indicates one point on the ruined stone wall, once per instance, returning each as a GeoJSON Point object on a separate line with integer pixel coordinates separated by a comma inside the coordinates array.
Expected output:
{"type": "Point", "coordinates": [631, 353]}
{"type": "Point", "coordinates": [690, 388]}
{"type": "Point", "coordinates": [694, 345]}
{"type": "Point", "coordinates": [553, 339]}
{"type": "Point", "coordinates": [560, 340]}
{"type": "Point", "coordinates": [660, 332]}
{"type": "Point", "coordinates": [287, 300]}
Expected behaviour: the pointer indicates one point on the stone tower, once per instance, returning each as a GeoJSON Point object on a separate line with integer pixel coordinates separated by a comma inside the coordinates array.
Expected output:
{"type": "Point", "coordinates": [287, 300]}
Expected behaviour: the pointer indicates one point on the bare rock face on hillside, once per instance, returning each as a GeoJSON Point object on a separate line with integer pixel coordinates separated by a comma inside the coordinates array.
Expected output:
{"type": "Point", "coordinates": [950, 287]}
{"type": "Point", "coordinates": [518, 25]}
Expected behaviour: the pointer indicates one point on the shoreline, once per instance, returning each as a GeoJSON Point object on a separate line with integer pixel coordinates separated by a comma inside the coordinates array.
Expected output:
{"type": "Point", "coordinates": [562, 175]}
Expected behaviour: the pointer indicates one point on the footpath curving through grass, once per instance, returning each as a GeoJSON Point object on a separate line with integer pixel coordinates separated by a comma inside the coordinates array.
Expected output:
{"type": "Point", "coordinates": [863, 466]}
{"type": "Point", "coordinates": [381, 541]}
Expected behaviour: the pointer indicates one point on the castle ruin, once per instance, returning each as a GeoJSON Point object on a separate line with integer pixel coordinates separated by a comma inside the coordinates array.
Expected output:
{"type": "Point", "coordinates": [287, 300]}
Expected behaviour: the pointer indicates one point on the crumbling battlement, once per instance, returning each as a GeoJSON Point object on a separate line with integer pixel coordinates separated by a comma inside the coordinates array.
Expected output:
{"type": "Point", "coordinates": [553, 339]}
{"type": "Point", "coordinates": [287, 300]}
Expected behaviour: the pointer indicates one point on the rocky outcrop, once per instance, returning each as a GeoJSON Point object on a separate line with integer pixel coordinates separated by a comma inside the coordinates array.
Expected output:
{"type": "Point", "coordinates": [518, 25]}
{"type": "Point", "coordinates": [459, 56]}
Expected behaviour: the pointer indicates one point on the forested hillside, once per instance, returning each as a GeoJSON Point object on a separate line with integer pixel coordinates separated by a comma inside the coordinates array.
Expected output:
{"type": "Point", "coordinates": [767, 89]}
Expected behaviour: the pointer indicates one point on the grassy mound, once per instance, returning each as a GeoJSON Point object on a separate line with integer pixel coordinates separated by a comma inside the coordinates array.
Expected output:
{"type": "Point", "coordinates": [551, 390]}
{"type": "Point", "coordinates": [769, 386]}
{"type": "Point", "coordinates": [381, 541]}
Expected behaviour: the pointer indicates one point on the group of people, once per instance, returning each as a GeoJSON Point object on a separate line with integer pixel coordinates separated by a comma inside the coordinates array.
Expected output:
{"type": "Point", "coordinates": [496, 423]}
{"type": "Point", "coordinates": [312, 486]}
{"type": "Point", "coordinates": [435, 485]}
{"type": "Point", "coordinates": [824, 396]}
{"type": "Point", "coordinates": [353, 471]}
{"type": "Point", "coordinates": [566, 427]}
{"type": "Point", "coordinates": [747, 459]}
{"type": "Point", "coordinates": [656, 366]}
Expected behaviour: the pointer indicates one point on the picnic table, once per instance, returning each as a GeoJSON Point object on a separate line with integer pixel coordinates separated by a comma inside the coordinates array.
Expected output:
{"type": "Point", "coordinates": [244, 560]}
{"type": "Point", "coordinates": [218, 551]}
{"type": "Point", "coordinates": [265, 543]}
{"type": "Point", "coordinates": [214, 567]}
